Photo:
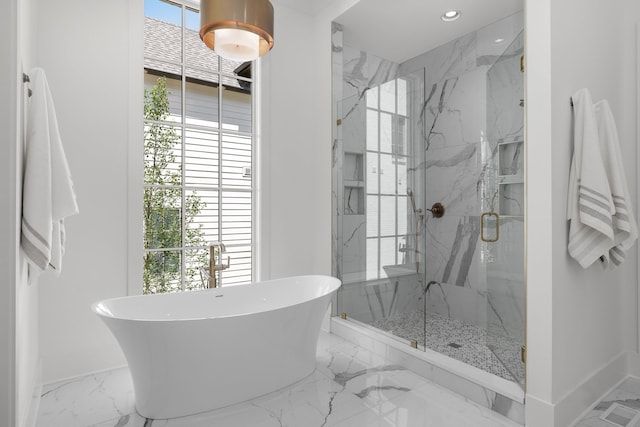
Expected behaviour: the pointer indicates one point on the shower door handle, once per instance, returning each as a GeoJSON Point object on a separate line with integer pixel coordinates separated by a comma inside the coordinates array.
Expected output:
{"type": "Point", "coordinates": [483, 219]}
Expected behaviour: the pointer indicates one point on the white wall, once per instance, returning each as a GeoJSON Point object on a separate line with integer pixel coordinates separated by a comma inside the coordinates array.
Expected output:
{"type": "Point", "coordinates": [19, 356]}
{"type": "Point", "coordinates": [295, 180]}
{"type": "Point", "coordinates": [539, 187]}
{"type": "Point", "coordinates": [8, 227]}
{"type": "Point", "coordinates": [84, 48]}
{"type": "Point", "coordinates": [28, 360]}
{"type": "Point", "coordinates": [580, 322]}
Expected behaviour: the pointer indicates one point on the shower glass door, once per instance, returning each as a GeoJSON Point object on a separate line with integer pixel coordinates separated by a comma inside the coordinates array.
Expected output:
{"type": "Point", "coordinates": [378, 218]}
{"type": "Point", "coordinates": [503, 207]}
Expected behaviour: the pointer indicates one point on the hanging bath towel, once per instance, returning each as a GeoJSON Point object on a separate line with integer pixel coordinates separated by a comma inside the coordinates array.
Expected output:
{"type": "Point", "coordinates": [623, 221]}
{"type": "Point", "coordinates": [48, 196]}
{"type": "Point", "coordinates": [590, 207]}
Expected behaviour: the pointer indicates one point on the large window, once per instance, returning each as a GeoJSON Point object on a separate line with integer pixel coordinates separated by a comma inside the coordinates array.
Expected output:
{"type": "Point", "coordinates": [198, 141]}
{"type": "Point", "coordinates": [386, 179]}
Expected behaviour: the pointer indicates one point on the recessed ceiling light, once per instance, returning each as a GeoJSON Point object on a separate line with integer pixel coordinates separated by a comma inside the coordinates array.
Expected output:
{"type": "Point", "coordinates": [498, 40]}
{"type": "Point", "coordinates": [450, 15]}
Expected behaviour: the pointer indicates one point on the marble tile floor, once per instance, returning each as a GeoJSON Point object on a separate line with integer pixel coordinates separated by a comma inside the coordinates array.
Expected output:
{"type": "Point", "coordinates": [351, 387]}
{"type": "Point", "coordinates": [624, 398]}
{"type": "Point", "coordinates": [469, 342]}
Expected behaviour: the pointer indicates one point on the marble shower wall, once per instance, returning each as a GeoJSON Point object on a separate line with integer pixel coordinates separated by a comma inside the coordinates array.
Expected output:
{"type": "Point", "coordinates": [473, 128]}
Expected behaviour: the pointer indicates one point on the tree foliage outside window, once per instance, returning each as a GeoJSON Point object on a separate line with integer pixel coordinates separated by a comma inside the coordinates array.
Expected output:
{"type": "Point", "coordinates": [165, 250]}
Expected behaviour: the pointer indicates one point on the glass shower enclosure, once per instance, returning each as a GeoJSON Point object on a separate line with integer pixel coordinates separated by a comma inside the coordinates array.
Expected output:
{"type": "Point", "coordinates": [428, 201]}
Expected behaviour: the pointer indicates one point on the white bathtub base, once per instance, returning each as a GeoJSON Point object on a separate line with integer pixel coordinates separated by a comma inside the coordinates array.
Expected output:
{"type": "Point", "coordinates": [187, 365]}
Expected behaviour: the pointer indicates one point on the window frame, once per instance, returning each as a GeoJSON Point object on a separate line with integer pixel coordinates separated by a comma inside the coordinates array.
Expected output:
{"type": "Point", "coordinates": [136, 165]}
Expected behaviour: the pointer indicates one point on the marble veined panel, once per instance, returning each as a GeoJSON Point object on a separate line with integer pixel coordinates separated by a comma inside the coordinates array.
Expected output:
{"type": "Point", "coordinates": [511, 159]}
{"type": "Point", "coordinates": [353, 169]}
{"type": "Point", "coordinates": [449, 60]}
{"type": "Point", "coordinates": [363, 71]}
{"type": "Point", "coordinates": [452, 253]}
{"type": "Point", "coordinates": [505, 311]}
{"type": "Point", "coordinates": [504, 262]}
{"type": "Point", "coordinates": [452, 176]}
{"type": "Point", "coordinates": [455, 110]}
{"type": "Point", "coordinates": [512, 199]}
{"type": "Point", "coordinates": [460, 303]}
{"type": "Point", "coordinates": [375, 300]}
{"type": "Point", "coordinates": [353, 244]}
{"type": "Point", "coordinates": [505, 94]}
{"type": "Point", "coordinates": [353, 128]}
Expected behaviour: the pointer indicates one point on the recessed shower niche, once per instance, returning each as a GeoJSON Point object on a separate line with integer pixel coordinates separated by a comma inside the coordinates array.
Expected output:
{"type": "Point", "coordinates": [353, 184]}
{"type": "Point", "coordinates": [442, 124]}
{"type": "Point", "coordinates": [511, 178]}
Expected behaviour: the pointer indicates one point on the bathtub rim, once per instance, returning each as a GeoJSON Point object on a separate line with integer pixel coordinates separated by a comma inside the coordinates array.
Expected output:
{"type": "Point", "coordinates": [337, 283]}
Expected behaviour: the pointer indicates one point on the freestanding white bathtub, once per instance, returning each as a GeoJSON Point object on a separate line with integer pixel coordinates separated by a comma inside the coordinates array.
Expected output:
{"type": "Point", "coordinates": [192, 352]}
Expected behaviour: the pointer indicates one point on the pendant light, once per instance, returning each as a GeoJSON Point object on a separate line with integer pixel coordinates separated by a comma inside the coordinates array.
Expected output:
{"type": "Point", "coordinates": [239, 30]}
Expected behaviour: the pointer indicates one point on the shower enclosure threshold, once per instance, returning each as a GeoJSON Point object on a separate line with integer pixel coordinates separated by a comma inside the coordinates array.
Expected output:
{"type": "Point", "coordinates": [489, 390]}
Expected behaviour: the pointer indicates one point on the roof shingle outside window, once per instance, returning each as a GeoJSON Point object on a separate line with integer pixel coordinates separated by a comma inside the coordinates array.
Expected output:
{"type": "Point", "coordinates": [162, 43]}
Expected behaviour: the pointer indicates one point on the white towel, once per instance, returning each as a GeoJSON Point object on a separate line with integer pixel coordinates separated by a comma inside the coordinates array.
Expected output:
{"type": "Point", "coordinates": [624, 222]}
{"type": "Point", "coordinates": [590, 206]}
{"type": "Point", "coordinates": [48, 196]}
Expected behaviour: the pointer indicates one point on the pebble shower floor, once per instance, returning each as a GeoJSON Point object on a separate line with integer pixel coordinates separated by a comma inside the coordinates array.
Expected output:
{"type": "Point", "coordinates": [466, 343]}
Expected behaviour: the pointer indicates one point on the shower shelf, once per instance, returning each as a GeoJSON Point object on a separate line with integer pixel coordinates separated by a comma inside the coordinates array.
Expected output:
{"type": "Point", "coordinates": [510, 179]}
{"type": "Point", "coordinates": [351, 184]}
{"type": "Point", "coordinates": [510, 142]}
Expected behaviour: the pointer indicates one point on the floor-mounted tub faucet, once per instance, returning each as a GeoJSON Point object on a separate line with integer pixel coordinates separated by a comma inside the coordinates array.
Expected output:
{"type": "Point", "coordinates": [210, 272]}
